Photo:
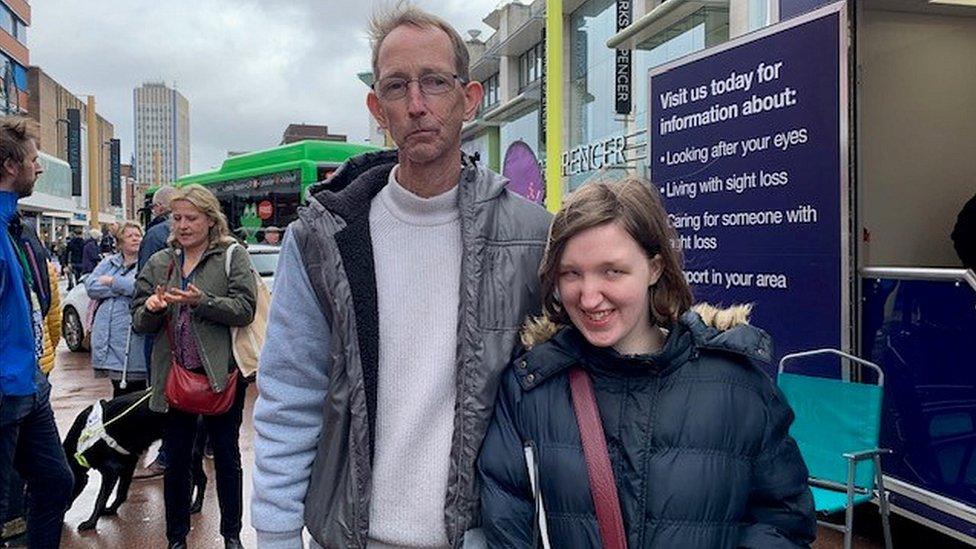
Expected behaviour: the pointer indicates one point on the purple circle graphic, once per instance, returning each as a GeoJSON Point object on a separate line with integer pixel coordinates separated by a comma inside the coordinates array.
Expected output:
{"type": "Point", "coordinates": [523, 172]}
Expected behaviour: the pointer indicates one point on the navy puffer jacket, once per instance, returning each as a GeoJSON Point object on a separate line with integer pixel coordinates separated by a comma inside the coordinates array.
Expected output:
{"type": "Point", "coordinates": [697, 436]}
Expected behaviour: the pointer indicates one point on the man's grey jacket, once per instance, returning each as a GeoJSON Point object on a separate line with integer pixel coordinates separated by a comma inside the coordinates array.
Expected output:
{"type": "Point", "coordinates": [316, 408]}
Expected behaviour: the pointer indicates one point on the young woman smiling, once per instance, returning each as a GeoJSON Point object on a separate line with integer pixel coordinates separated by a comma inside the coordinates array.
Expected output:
{"type": "Point", "coordinates": [695, 432]}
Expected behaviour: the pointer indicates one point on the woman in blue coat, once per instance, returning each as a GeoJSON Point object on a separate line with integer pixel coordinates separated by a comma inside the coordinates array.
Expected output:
{"type": "Point", "coordinates": [116, 351]}
{"type": "Point", "coordinates": [696, 432]}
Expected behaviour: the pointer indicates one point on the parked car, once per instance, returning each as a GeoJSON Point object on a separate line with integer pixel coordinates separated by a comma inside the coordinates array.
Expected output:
{"type": "Point", "coordinates": [74, 309]}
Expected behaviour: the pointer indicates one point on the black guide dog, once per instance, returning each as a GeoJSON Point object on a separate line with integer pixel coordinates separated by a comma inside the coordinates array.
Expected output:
{"type": "Point", "coordinates": [134, 432]}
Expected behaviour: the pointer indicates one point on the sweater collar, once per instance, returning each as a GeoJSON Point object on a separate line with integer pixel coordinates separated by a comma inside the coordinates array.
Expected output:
{"type": "Point", "coordinates": [348, 193]}
{"type": "Point", "coordinates": [417, 210]}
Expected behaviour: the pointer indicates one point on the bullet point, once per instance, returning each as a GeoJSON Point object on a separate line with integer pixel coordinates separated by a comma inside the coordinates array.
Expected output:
{"type": "Point", "coordinates": [662, 159]}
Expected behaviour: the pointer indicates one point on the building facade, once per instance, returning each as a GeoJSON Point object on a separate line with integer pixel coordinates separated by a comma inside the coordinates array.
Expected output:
{"type": "Point", "coordinates": [162, 133]}
{"type": "Point", "coordinates": [57, 207]}
{"type": "Point", "coordinates": [509, 131]}
{"type": "Point", "coordinates": [315, 132]}
{"type": "Point", "coordinates": [133, 192]}
{"type": "Point", "coordinates": [15, 17]}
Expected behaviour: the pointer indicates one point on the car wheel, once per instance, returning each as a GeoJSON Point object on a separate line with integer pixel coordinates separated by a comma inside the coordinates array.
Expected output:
{"type": "Point", "coordinates": [73, 330]}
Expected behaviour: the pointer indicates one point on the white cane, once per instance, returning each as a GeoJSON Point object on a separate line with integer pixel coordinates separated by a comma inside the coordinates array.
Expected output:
{"type": "Point", "coordinates": [125, 365]}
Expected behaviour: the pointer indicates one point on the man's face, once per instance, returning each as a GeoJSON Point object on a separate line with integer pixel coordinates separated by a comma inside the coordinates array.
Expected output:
{"type": "Point", "coordinates": [25, 173]}
{"type": "Point", "coordinates": [426, 127]}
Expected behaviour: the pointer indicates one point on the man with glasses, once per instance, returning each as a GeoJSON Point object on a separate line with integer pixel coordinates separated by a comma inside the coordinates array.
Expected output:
{"type": "Point", "coordinates": [397, 303]}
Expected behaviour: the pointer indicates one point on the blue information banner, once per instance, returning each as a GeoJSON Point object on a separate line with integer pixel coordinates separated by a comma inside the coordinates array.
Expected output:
{"type": "Point", "coordinates": [746, 150]}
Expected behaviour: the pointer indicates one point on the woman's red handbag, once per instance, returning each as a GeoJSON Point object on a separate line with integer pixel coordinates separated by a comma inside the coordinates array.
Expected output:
{"type": "Point", "coordinates": [190, 392]}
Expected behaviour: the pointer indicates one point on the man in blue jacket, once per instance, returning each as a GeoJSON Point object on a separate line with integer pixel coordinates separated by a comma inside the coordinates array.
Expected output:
{"type": "Point", "coordinates": [29, 438]}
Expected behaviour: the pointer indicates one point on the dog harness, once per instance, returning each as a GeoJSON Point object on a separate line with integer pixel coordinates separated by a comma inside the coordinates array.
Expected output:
{"type": "Point", "coordinates": [95, 430]}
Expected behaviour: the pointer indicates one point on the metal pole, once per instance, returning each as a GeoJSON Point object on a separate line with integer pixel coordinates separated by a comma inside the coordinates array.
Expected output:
{"type": "Point", "coordinates": [554, 103]}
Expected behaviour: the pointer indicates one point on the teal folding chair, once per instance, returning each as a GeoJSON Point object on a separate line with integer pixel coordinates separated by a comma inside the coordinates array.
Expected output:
{"type": "Point", "coordinates": [837, 427]}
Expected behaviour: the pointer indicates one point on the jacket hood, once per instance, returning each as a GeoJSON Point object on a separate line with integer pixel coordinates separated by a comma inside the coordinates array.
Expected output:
{"type": "Point", "coordinates": [349, 190]}
{"type": "Point", "coordinates": [713, 330]}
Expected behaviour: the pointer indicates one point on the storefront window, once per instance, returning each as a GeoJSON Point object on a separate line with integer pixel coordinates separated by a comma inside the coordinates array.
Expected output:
{"type": "Point", "coordinates": [478, 146]}
{"type": "Point", "coordinates": [758, 14]}
{"type": "Point", "coordinates": [56, 179]}
{"type": "Point", "coordinates": [592, 114]}
{"type": "Point", "coordinates": [688, 42]}
{"type": "Point", "coordinates": [524, 128]}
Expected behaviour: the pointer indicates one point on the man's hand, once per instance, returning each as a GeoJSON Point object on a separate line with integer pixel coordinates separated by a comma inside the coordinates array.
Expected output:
{"type": "Point", "coordinates": [106, 280]}
{"type": "Point", "coordinates": [157, 301]}
{"type": "Point", "coordinates": [190, 296]}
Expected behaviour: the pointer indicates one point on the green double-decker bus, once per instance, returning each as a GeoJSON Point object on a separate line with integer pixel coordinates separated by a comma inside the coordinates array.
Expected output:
{"type": "Point", "coordinates": [264, 189]}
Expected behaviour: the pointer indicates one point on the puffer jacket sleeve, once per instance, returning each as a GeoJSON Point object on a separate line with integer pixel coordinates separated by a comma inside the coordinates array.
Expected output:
{"type": "Point", "coordinates": [781, 513]}
{"type": "Point", "coordinates": [53, 318]}
{"type": "Point", "coordinates": [237, 307]}
{"type": "Point", "coordinates": [507, 507]}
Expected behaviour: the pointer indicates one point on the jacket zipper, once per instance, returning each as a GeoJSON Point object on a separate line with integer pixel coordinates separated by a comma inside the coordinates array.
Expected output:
{"type": "Point", "coordinates": [647, 451]}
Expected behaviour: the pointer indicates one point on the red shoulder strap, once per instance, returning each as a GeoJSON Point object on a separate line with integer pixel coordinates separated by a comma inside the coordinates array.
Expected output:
{"type": "Point", "coordinates": [602, 484]}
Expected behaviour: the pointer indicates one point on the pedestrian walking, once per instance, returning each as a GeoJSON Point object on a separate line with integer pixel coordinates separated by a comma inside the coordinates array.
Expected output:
{"type": "Point", "coordinates": [29, 441]}
{"type": "Point", "coordinates": [75, 255]}
{"type": "Point", "coordinates": [190, 295]}
{"type": "Point", "coordinates": [396, 302]}
{"type": "Point", "coordinates": [107, 244]}
{"type": "Point", "coordinates": [690, 431]}
{"type": "Point", "coordinates": [117, 353]}
{"type": "Point", "coordinates": [91, 254]}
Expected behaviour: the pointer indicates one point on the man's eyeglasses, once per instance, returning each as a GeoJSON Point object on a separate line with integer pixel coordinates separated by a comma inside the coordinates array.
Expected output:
{"type": "Point", "coordinates": [392, 88]}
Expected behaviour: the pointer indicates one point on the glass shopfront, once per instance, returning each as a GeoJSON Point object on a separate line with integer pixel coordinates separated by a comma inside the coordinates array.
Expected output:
{"type": "Point", "coordinates": [592, 117]}
{"type": "Point", "coordinates": [591, 79]}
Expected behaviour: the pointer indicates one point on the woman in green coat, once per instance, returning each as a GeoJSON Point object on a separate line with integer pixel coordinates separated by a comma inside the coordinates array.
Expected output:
{"type": "Point", "coordinates": [188, 292]}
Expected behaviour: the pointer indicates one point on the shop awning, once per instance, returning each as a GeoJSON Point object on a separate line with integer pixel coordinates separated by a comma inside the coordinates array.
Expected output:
{"type": "Point", "coordinates": [662, 18]}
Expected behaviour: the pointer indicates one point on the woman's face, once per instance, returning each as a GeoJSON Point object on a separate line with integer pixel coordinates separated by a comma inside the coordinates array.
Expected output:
{"type": "Point", "coordinates": [604, 280]}
{"type": "Point", "coordinates": [130, 240]}
{"type": "Point", "coordinates": [190, 225]}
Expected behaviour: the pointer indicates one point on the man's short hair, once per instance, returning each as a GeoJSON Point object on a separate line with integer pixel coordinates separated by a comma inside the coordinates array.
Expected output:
{"type": "Point", "coordinates": [15, 132]}
{"type": "Point", "coordinates": [383, 22]}
{"type": "Point", "coordinates": [163, 195]}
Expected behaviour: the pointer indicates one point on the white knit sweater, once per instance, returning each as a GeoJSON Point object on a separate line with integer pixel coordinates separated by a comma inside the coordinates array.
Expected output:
{"type": "Point", "coordinates": [417, 254]}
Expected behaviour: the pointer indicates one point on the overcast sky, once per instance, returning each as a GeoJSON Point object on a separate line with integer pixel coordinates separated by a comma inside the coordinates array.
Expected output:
{"type": "Point", "coordinates": [247, 67]}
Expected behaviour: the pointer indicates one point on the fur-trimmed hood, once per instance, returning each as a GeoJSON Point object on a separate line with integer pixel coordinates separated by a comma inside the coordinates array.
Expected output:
{"type": "Point", "coordinates": [540, 329]}
{"type": "Point", "coordinates": [551, 348]}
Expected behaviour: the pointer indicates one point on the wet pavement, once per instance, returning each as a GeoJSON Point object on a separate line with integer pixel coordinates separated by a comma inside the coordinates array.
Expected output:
{"type": "Point", "coordinates": [141, 523]}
